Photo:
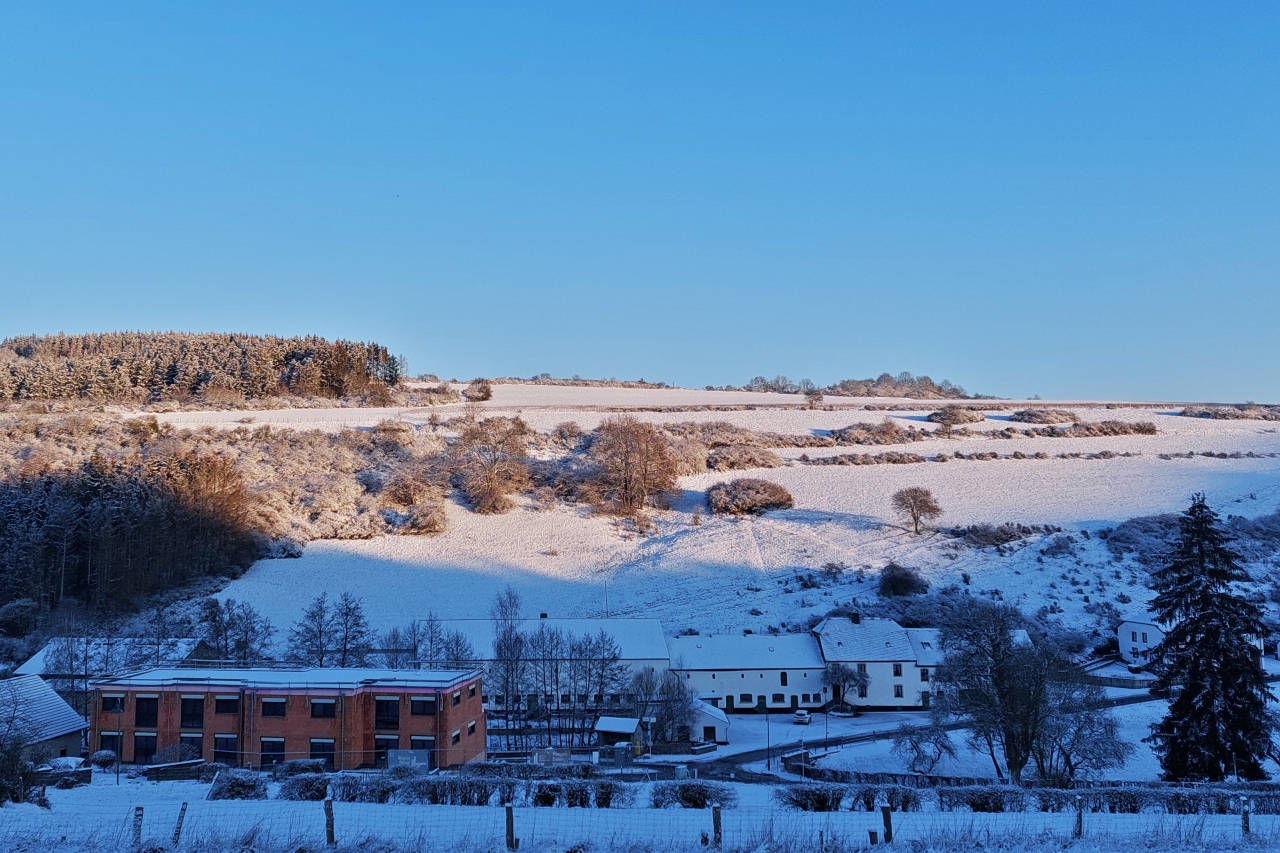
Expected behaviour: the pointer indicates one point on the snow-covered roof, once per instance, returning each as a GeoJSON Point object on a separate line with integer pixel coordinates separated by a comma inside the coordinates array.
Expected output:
{"type": "Point", "coordinates": [617, 725]}
{"type": "Point", "coordinates": [927, 645]}
{"type": "Point", "coordinates": [708, 710]}
{"type": "Point", "coordinates": [869, 639]}
{"type": "Point", "coordinates": [41, 713]}
{"type": "Point", "coordinates": [637, 639]}
{"type": "Point", "coordinates": [266, 678]}
{"type": "Point", "coordinates": [724, 652]}
{"type": "Point", "coordinates": [105, 655]}
{"type": "Point", "coordinates": [1142, 619]}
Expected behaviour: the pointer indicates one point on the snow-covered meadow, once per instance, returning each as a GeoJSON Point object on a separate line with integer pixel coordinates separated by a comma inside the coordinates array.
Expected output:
{"type": "Point", "coordinates": [100, 817]}
{"type": "Point", "coordinates": [710, 573]}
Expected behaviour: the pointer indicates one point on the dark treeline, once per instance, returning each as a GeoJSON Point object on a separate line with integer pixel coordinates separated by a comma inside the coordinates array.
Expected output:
{"type": "Point", "coordinates": [174, 366]}
{"type": "Point", "coordinates": [111, 532]}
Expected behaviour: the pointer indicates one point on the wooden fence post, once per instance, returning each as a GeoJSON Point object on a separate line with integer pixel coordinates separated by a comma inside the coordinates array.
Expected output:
{"type": "Point", "coordinates": [328, 823]}
{"type": "Point", "coordinates": [137, 826]}
{"type": "Point", "coordinates": [1078, 830]}
{"type": "Point", "coordinates": [875, 836]}
{"type": "Point", "coordinates": [177, 829]}
{"type": "Point", "coordinates": [513, 843]}
{"type": "Point", "coordinates": [887, 814]}
{"type": "Point", "coordinates": [717, 833]}
{"type": "Point", "coordinates": [1245, 807]}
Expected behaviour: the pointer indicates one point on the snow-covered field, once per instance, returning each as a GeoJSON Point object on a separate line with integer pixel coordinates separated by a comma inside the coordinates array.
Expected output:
{"type": "Point", "coordinates": [710, 573]}
{"type": "Point", "coordinates": [100, 817]}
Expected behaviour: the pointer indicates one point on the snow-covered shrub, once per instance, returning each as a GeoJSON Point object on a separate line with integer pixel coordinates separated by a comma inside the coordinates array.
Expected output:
{"type": "Point", "coordinates": [478, 391]}
{"type": "Point", "coordinates": [901, 798]}
{"type": "Point", "coordinates": [714, 434]}
{"type": "Point", "coordinates": [404, 771]}
{"type": "Point", "coordinates": [1060, 546]}
{"type": "Point", "coordinates": [239, 785]}
{"type": "Point", "coordinates": [885, 432]}
{"type": "Point", "coordinates": [811, 798]}
{"type": "Point", "coordinates": [956, 415]}
{"type": "Point", "coordinates": [896, 580]}
{"type": "Point", "coordinates": [1045, 416]}
{"type": "Point", "coordinates": [427, 790]}
{"type": "Point", "coordinates": [983, 798]}
{"type": "Point", "coordinates": [307, 787]}
{"type": "Point", "coordinates": [37, 797]}
{"type": "Point", "coordinates": [613, 795]}
{"type": "Point", "coordinates": [1243, 411]}
{"type": "Point", "coordinates": [544, 793]}
{"type": "Point", "coordinates": [738, 457]}
{"type": "Point", "coordinates": [1148, 538]}
{"type": "Point", "coordinates": [425, 520]}
{"type": "Point", "coordinates": [992, 536]}
{"type": "Point", "coordinates": [690, 457]}
{"type": "Point", "coordinates": [747, 496]}
{"type": "Point", "coordinates": [67, 781]}
{"type": "Point", "coordinates": [891, 458]}
{"type": "Point", "coordinates": [103, 759]}
{"type": "Point", "coordinates": [209, 770]}
{"type": "Point", "coordinates": [297, 767]}
{"type": "Point", "coordinates": [693, 795]}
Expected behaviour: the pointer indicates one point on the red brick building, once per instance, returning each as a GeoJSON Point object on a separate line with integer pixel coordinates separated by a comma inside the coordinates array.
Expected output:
{"type": "Point", "coordinates": [258, 717]}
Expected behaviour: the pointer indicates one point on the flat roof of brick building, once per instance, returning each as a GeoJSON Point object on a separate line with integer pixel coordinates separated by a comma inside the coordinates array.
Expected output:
{"type": "Point", "coordinates": [291, 679]}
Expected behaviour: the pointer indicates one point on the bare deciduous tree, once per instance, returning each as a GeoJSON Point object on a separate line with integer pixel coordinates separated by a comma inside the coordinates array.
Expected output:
{"type": "Point", "coordinates": [311, 639]}
{"type": "Point", "coordinates": [995, 681]}
{"type": "Point", "coordinates": [352, 634]}
{"type": "Point", "coordinates": [235, 630]}
{"type": "Point", "coordinates": [922, 747]}
{"type": "Point", "coordinates": [916, 504]}
{"type": "Point", "coordinates": [843, 679]}
{"type": "Point", "coordinates": [633, 464]}
{"type": "Point", "coordinates": [489, 458]}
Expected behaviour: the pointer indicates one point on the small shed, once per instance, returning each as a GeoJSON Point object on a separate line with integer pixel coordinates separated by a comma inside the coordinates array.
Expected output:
{"type": "Point", "coordinates": [50, 727]}
{"type": "Point", "coordinates": [611, 730]}
{"type": "Point", "coordinates": [710, 724]}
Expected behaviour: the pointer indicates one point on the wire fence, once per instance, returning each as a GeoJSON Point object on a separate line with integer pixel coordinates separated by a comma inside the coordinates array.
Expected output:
{"type": "Point", "coordinates": [274, 824]}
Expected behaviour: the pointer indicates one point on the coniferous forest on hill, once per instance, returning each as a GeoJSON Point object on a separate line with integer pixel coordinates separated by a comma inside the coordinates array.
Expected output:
{"type": "Point", "coordinates": [149, 367]}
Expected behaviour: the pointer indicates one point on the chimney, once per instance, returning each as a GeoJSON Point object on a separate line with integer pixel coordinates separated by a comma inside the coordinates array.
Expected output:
{"type": "Point", "coordinates": [855, 618]}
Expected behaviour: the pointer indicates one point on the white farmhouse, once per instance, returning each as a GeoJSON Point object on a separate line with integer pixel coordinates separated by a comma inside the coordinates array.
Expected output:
{"type": "Point", "coordinates": [751, 672]}
{"type": "Point", "coordinates": [1138, 636]}
{"type": "Point", "coordinates": [899, 662]}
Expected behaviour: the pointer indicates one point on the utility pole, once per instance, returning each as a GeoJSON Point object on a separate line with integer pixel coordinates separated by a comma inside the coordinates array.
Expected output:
{"type": "Point", "coordinates": [768, 742]}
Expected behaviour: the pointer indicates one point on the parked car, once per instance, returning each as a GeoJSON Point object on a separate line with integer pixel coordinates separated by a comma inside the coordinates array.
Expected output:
{"type": "Point", "coordinates": [800, 718]}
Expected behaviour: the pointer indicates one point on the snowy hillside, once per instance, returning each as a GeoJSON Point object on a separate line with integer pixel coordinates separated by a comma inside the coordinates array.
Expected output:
{"type": "Point", "coordinates": [717, 574]}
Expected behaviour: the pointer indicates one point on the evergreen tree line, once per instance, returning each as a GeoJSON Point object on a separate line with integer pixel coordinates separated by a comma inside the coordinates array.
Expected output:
{"type": "Point", "coordinates": [141, 367]}
{"type": "Point", "coordinates": [111, 532]}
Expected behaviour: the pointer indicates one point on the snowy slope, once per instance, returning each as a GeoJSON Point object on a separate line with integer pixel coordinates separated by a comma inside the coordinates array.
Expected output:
{"type": "Point", "coordinates": [711, 575]}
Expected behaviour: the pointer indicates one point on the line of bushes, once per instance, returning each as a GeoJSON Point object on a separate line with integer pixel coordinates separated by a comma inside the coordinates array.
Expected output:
{"type": "Point", "coordinates": [987, 799]}
{"type": "Point", "coordinates": [868, 459]}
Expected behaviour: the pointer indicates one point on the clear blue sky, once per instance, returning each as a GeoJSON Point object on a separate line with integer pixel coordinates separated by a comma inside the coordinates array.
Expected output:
{"type": "Point", "coordinates": [1069, 199]}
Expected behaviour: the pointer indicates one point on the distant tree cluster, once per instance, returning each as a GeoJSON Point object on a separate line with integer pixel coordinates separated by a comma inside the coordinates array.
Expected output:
{"type": "Point", "coordinates": [145, 367]}
{"type": "Point", "coordinates": [885, 385]}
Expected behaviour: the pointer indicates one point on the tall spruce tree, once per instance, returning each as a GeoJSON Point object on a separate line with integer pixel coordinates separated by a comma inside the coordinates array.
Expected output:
{"type": "Point", "coordinates": [1218, 724]}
